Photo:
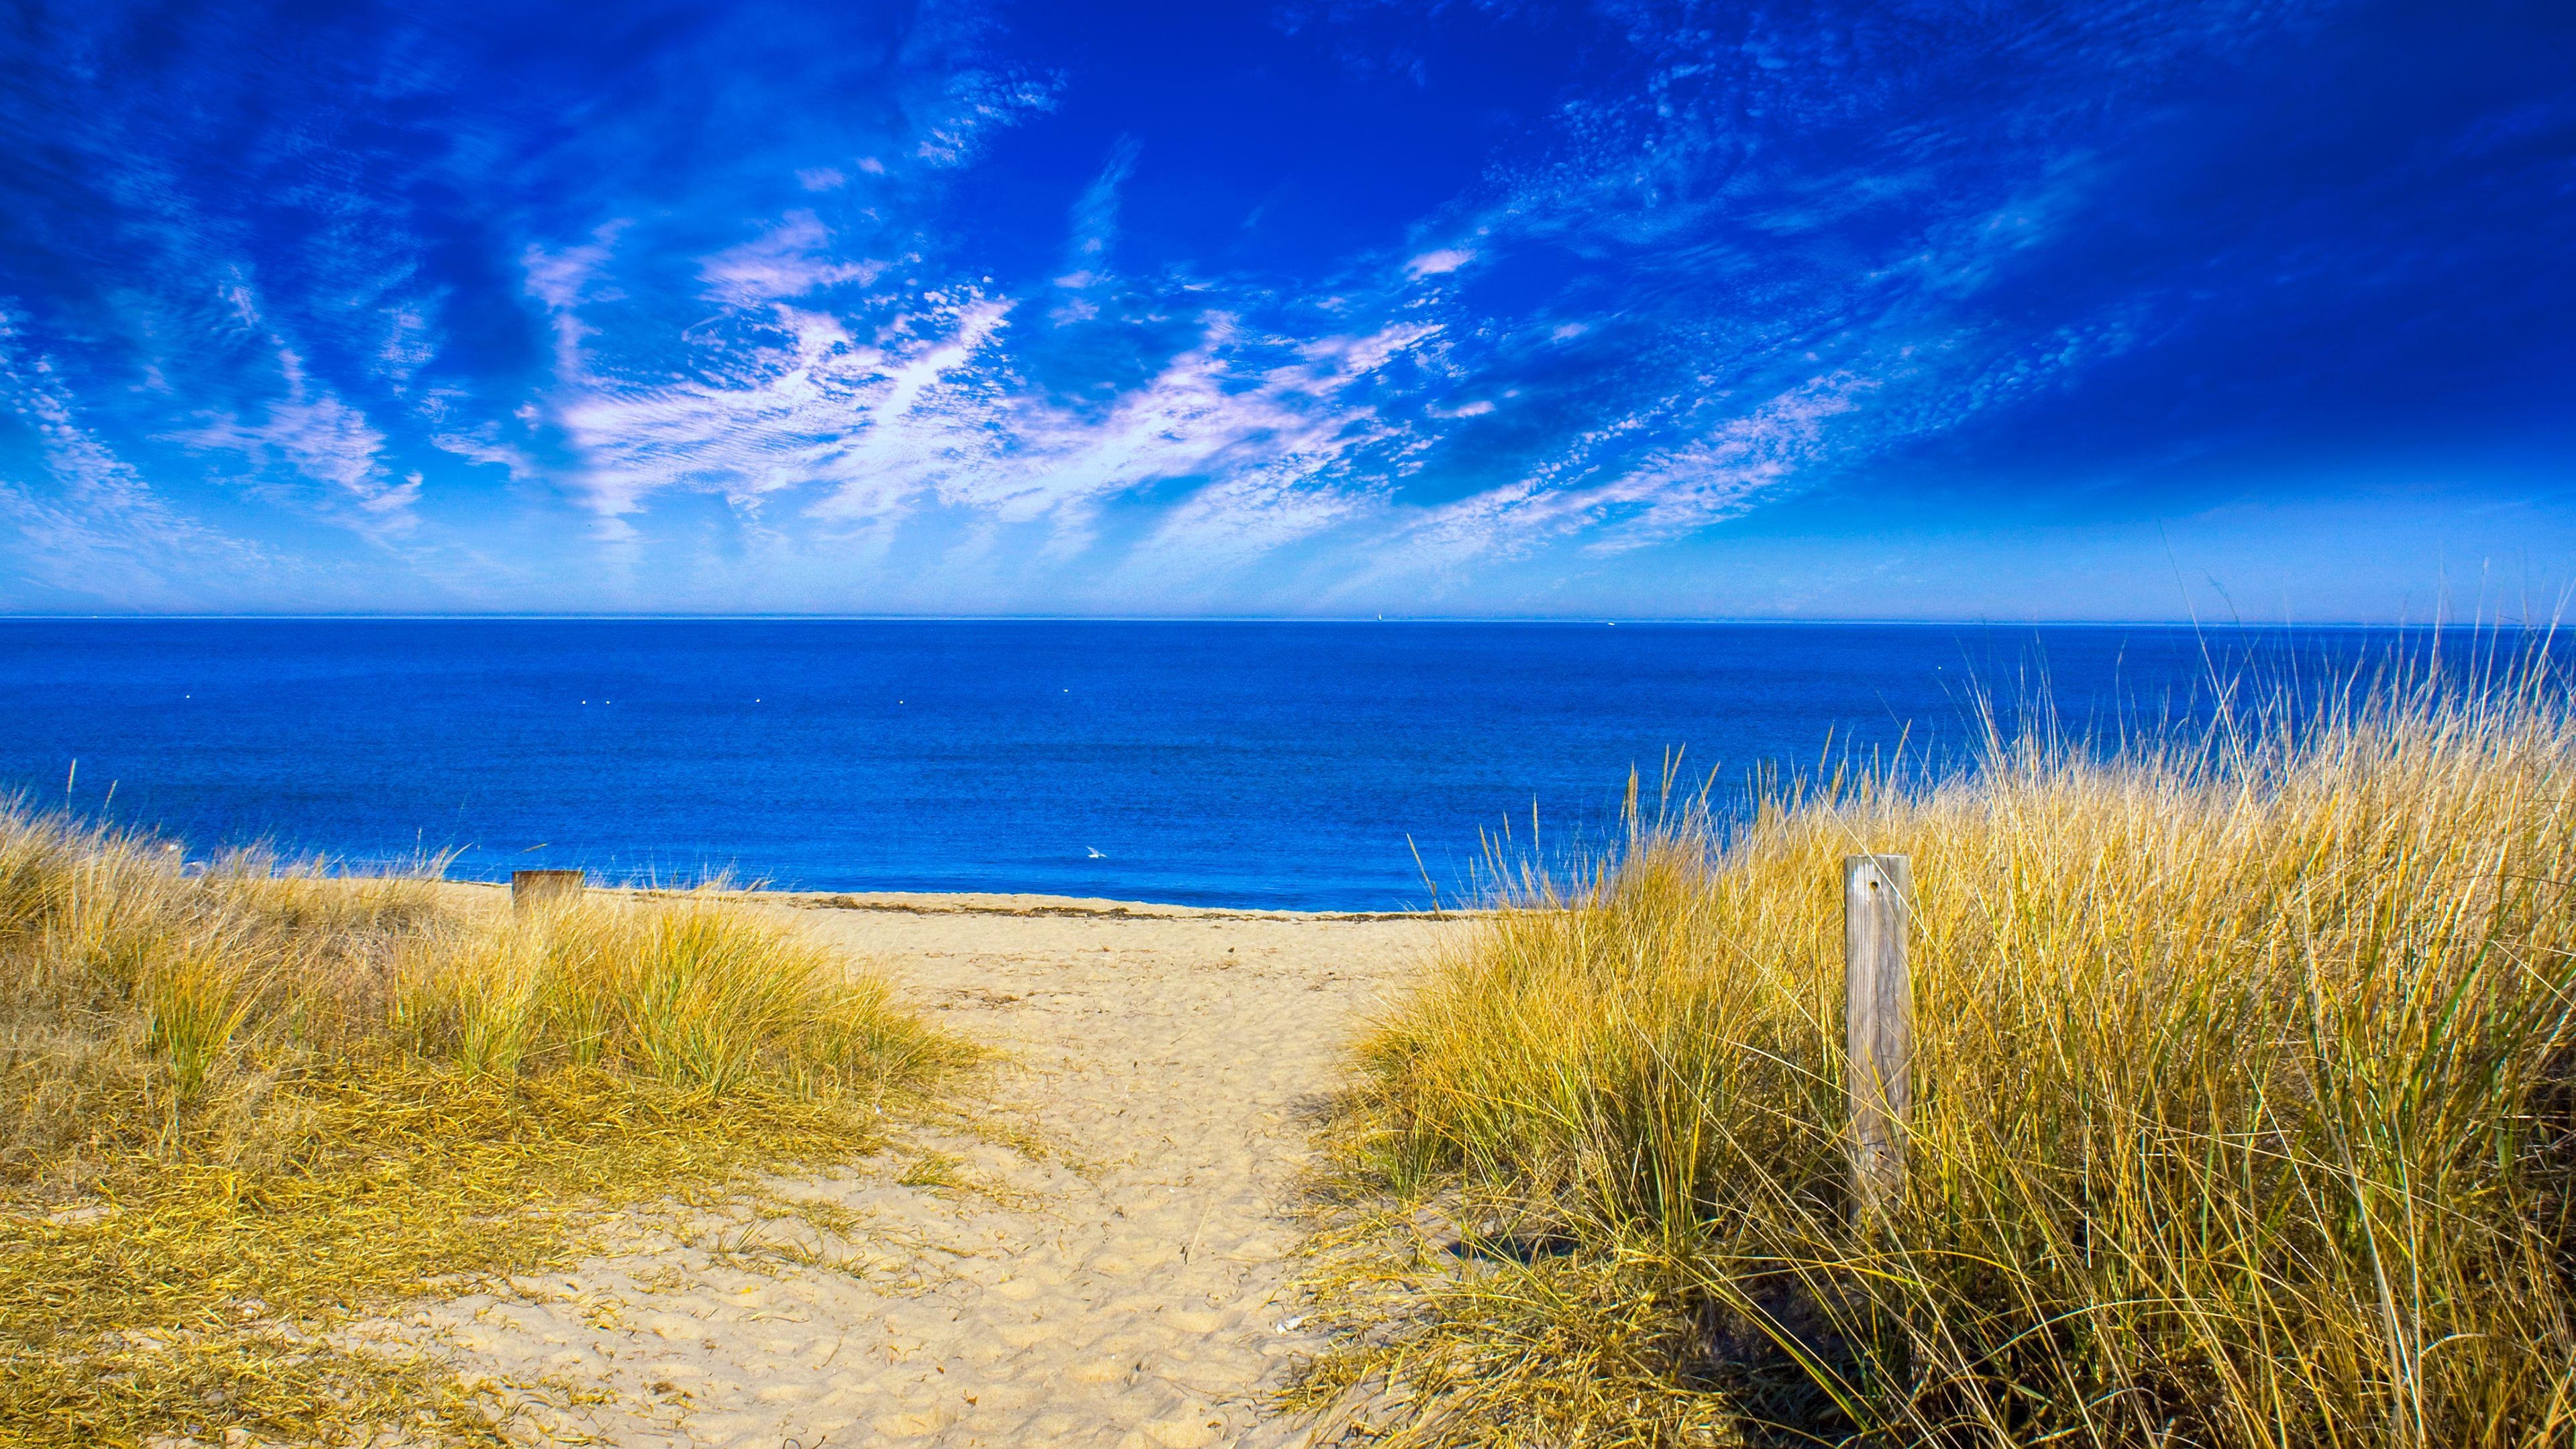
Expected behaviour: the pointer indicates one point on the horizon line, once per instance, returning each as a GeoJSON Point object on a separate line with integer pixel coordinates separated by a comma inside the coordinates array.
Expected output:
{"type": "Point", "coordinates": [1571, 620]}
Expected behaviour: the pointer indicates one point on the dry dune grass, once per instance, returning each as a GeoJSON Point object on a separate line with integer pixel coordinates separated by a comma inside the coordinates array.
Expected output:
{"type": "Point", "coordinates": [2246, 1085]}
{"type": "Point", "coordinates": [238, 1108]}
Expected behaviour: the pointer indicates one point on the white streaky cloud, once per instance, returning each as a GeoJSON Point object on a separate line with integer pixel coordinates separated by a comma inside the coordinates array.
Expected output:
{"type": "Point", "coordinates": [100, 530]}
{"type": "Point", "coordinates": [1095, 212]}
{"type": "Point", "coordinates": [86, 467]}
{"type": "Point", "coordinates": [408, 345]}
{"type": "Point", "coordinates": [791, 259]}
{"type": "Point", "coordinates": [1660, 495]}
{"type": "Point", "coordinates": [1351, 356]}
{"type": "Point", "coordinates": [313, 431]}
{"type": "Point", "coordinates": [1183, 423]}
{"type": "Point", "coordinates": [483, 445]}
{"type": "Point", "coordinates": [1438, 263]}
{"type": "Point", "coordinates": [770, 419]}
{"type": "Point", "coordinates": [1721, 476]}
{"type": "Point", "coordinates": [1259, 436]}
{"type": "Point", "coordinates": [1283, 500]}
{"type": "Point", "coordinates": [245, 307]}
{"type": "Point", "coordinates": [332, 442]}
{"type": "Point", "coordinates": [920, 429]}
{"type": "Point", "coordinates": [880, 419]}
{"type": "Point", "coordinates": [822, 178]}
{"type": "Point", "coordinates": [979, 101]}
{"type": "Point", "coordinates": [561, 280]}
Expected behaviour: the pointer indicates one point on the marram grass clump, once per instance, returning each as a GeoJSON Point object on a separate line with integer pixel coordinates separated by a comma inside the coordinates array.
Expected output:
{"type": "Point", "coordinates": [242, 1108]}
{"type": "Point", "coordinates": [2246, 1114]}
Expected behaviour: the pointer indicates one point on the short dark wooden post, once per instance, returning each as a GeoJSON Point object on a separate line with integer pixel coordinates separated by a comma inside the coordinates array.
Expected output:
{"type": "Point", "coordinates": [536, 887]}
{"type": "Point", "coordinates": [1878, 1025]}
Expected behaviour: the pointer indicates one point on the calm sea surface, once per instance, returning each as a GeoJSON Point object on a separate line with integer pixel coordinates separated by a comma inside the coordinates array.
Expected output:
{"type": "Point", "coordinates": [1218, 763]}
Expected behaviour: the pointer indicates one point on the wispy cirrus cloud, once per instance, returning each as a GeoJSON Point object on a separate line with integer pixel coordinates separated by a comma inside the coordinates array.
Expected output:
{"type": "Point", "coordinates": [91, 526]}
{"type": "Point", "coordinates": [866, 418]}
{"type": "Point", "coordinates": [312, 434]}
{"type": "Point", "coordinates": [791, 259]}
{"type": "Point", "coordinates": [979, 102]}
{"type": "Point", "coordinates": [1665, 492]}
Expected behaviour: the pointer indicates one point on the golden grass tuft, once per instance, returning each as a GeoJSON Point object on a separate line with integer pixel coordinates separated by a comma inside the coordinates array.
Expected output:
{"type": "Point", "coordinates": [241, 1109]}
{"type": "Point", "coordinates": [2246, 1113]}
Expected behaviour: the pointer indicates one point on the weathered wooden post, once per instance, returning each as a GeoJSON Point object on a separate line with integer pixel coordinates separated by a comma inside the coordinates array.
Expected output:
{"type": "Point", "coordinates": [1878, 1025]}
{"type": "Point", "coordinates": [530, 888]}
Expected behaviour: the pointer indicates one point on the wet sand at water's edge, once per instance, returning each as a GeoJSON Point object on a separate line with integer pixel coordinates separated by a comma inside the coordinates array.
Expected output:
{"type": "Point", "coordinates": [1102, 1260]}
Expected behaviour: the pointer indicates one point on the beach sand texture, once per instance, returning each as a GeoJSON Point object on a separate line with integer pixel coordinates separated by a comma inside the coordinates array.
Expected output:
{"type": "Point", "coordinates": [1123, 1284]}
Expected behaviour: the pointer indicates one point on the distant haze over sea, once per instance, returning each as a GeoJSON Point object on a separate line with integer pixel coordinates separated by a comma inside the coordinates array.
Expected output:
{"type": "Point", "coordinates": [1256, 764]}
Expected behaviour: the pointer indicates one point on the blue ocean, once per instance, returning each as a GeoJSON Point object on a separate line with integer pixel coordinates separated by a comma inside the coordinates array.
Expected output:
{"type": "Point", "coordinates": [1336, 766]}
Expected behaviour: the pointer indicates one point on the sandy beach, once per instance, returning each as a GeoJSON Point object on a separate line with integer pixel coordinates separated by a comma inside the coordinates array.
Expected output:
{"type": "Point", "coordinates": [1097, 1255]}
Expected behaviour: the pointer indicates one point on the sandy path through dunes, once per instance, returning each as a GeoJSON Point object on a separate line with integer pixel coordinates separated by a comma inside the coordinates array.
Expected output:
{"type": "Point", "coordinates": [1122, 1287]}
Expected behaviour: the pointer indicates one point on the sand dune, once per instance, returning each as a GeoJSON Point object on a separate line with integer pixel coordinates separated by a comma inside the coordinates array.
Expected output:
{"type": "Point", "coordinates": [1101, 1261]}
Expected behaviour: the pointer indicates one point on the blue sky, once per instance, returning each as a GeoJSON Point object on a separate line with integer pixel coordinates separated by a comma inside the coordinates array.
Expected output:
{"type": "Point", "coordinates": [1939, 310]}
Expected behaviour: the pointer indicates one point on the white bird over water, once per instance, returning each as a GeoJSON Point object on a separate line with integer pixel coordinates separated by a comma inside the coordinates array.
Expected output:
{"type": "Point", "coordinates": [1095, 855]}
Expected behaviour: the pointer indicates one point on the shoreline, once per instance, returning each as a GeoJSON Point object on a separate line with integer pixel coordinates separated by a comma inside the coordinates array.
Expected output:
{"type": "Point", "coordinates": [1027, 905]}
